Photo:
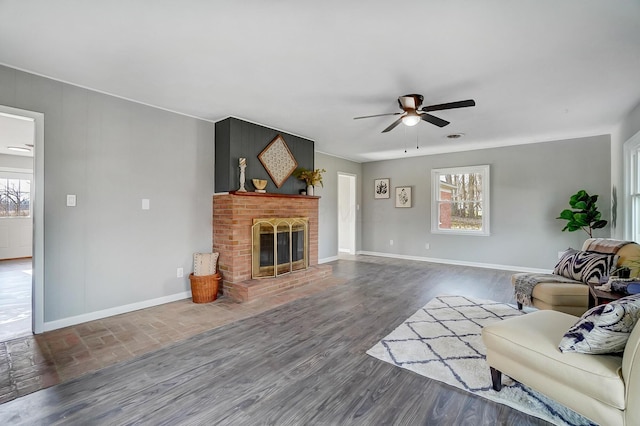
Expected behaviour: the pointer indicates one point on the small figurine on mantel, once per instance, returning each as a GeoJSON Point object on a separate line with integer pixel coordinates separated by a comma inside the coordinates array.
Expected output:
{"type": "Point", "coordinates": [260, 185]}
{"type": "Point", "coordinates": [243, 165]}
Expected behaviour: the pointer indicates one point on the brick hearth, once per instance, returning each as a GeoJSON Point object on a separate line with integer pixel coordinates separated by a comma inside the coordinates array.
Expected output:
{"type": "Point", "coordinates": [233, 216]}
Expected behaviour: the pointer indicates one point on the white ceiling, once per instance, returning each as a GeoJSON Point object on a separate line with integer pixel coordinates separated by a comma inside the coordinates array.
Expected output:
{"type": "Point", "coordinates": [537, 69]}
{"type": "Point", "coordinates": [16, 132]}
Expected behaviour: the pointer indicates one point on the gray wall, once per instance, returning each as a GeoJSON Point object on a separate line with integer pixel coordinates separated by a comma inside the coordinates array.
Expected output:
{"type": "Point", "coordinates": [328, 214]}
{"type": "Point", "coordinates": [630, 125]}
{"type": "Point", "coordinates": [108, 252]}
{"type": "Point", "coordinates": [530, 185]}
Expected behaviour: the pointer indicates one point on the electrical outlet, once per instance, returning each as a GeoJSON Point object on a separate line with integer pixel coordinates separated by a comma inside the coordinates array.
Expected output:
{"type": "Point", "coordinates": [426, 246]}
{"type": "Point", "coordinates": [180, 273]}
{"type": "Point", "coordinates": [390, 242]}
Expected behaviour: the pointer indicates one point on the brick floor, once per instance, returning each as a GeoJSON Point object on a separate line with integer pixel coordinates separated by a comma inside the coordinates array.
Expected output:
{"type": "Point", "coordinates": [31, 363]}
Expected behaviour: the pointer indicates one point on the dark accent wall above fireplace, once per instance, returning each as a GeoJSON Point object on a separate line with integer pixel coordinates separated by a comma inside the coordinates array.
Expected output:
{"type": "Point", "coordinates": [236, 139]}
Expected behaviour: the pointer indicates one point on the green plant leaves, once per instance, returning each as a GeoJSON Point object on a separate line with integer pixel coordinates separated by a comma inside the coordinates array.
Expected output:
{"type": "Point", "coordinates": [566, 214]}
{"type": "Point", "coordinates": [581, 219]}
{"type": "Point", "coordinates": [599, 224]}
{"type": "Point", "coordinates": [585, 214]}
{"type": "Point", "coordinates": [580, 205]}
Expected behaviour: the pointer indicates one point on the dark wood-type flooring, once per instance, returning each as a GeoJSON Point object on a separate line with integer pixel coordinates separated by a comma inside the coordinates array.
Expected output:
{"type": "Point", "coordinates": [303, 363]}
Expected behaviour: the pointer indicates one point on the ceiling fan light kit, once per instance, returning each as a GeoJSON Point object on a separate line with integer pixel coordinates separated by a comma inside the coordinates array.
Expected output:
{"type": "Point", "coordinates": [411, 119]}
{"type": "Point", "coordinates": [411, 116]}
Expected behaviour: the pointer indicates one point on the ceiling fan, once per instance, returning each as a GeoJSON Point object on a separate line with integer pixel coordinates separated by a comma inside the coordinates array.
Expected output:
{"type": "Point", "coordinates": [412, 114]}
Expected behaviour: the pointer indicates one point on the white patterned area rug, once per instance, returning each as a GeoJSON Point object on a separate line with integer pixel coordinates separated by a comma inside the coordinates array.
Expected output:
{"type": "Point", "coordinates": [442, 341]}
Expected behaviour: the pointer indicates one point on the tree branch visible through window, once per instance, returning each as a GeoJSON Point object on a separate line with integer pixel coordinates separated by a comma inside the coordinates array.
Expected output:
{"type": "Point", "coordinates": [460, 200]}
{"type": "Point", "coordinates": [15, 197]}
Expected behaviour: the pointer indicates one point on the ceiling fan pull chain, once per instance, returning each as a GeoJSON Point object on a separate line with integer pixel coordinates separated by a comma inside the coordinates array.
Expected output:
{"type": "Point", "coordinates": [405, 139]}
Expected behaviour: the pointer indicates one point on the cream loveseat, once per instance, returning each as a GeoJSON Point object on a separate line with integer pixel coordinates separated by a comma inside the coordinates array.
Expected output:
{"type": "Point", "coordinates": [603, 388]}
{"type": "Point", "coordinates": [571, 296]}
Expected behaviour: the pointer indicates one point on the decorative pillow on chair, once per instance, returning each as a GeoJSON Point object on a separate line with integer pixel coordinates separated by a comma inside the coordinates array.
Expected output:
{"type": "Point", "coordinates": [603, 329]}
{"type": "Point", "coordinates": [585, 266]}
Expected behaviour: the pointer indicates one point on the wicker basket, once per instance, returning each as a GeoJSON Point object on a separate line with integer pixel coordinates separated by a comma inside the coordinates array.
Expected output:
{"type": "Point", "coordinates": [204, 289]}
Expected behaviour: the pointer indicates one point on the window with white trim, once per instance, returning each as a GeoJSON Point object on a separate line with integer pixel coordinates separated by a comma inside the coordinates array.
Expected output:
{"type": "Point", "coordinates": [460, 200]}
{"type": "Point", "coordinates": [632, 188]}
{"type": "Point", "coordinates": [15, 197]}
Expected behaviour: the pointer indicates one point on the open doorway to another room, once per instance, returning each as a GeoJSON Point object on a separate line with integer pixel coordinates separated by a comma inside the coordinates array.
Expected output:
{"type": "Point", "coordinates": [346, 215]}
{"type": "Point", "coordinates": [17, 144]}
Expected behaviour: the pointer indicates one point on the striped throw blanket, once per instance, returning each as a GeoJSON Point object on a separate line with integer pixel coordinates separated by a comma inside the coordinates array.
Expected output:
{"type": "Point", "coordinates": [605, 245]}
{"type": "Point", "coordinates": [524, 284]}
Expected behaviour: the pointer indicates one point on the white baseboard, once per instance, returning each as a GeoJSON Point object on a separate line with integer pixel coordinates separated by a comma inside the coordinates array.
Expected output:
{"type": "Point", "coordinates": [458, 262]}
{"type": "Point", "coordinates": [327, 259]}
{"type": "Point", "coordinates": [92, 316]}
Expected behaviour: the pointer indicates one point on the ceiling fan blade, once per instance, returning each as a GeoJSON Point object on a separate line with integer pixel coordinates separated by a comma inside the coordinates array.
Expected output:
{"type": "Point", "coordinates": [377, 115]}
{"type": "Point", "coordinates": [393, 125]}
{"type": "Point", "coordinates": [434, 120]}
{"type": "Point", "coordinates": [450, 105]}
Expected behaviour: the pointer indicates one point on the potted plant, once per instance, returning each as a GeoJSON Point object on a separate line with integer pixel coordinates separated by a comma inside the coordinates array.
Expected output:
{"type": "Point", "coordinates": [585, 214]}
{"type": "Point", "coordinates": [630, 268]}
{"type": "Point", "coordinates": [311, 177]}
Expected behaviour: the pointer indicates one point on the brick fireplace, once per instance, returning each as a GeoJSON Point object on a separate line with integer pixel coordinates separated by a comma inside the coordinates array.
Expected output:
{"type": "Point", "coordinates": [233, 216]}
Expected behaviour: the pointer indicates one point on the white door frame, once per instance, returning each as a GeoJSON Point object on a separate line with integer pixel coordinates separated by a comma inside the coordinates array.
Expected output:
{"type": "Point", "coordinates": [37, 203]}
{"type": "Point", "coordinates": [352, 210]}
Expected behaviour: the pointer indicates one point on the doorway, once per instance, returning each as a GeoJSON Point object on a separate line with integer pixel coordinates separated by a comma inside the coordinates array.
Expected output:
{"type": "Point", "coordinates": [346, 214]}
{"type": "Point", "coordinates": [21, 231]}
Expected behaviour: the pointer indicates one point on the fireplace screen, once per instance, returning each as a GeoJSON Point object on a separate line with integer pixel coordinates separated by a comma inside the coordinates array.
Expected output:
{"type": "Point", "coordinates": [279, 246]}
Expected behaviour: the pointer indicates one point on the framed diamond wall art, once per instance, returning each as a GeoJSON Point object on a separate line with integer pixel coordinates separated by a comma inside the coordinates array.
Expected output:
{"type": "Point", "coordinates": [278, 160]}
{"type": "Point", "coordinates": [381, 188]}
{"type": "Point", "coordinates": [403, 196]}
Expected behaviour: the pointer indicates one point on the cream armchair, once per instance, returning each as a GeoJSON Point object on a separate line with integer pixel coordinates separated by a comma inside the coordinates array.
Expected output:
{"type": "Point", "coordinates": [603, 388]}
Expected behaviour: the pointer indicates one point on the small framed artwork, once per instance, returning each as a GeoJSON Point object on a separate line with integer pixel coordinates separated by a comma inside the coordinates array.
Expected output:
{"type": "Point", "coordinates": [403, 196]}
{"type": "Point", "coordinates": [381, 188]}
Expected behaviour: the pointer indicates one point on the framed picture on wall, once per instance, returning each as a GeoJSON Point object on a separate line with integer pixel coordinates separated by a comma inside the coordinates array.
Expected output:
{"type": "Point", "coordinates": [278, 161]}
{"type": "Point", "coordinates": [381, 188]}
{"type": "Point", "coordinates": [403, 196]}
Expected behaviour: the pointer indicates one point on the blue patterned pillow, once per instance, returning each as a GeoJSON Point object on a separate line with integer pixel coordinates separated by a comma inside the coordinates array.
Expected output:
{"type": "Point", "coordinates": [603, 329]}
{"type": "Point", "coordinates": [585, 266]}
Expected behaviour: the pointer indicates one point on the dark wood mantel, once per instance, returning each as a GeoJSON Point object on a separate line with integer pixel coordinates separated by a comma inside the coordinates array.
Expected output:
{"type": "Point", "coordinates": [270, 194]}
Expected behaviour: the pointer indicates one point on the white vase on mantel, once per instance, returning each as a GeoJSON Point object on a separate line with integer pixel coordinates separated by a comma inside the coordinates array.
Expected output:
{"type": "Point", "coordinates": [309, 189]}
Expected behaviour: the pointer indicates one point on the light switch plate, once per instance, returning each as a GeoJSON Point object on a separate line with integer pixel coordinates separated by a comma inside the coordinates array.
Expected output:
{"type": "Point", "coordinates": [71, 200]}
{"type": "Point", "coordinates": [145, 204]}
